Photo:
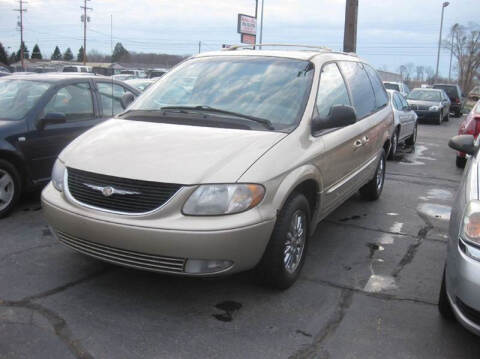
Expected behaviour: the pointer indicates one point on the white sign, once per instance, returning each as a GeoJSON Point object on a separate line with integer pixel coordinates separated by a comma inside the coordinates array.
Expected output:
{"type": "Point", "coordinates": [247, 24]}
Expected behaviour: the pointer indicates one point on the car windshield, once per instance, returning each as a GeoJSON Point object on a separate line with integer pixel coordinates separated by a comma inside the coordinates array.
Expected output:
{"type": "Point", "coordinates": [425, 95]}
{"type": "Point", "coordinates": [17, 97]}
{"type": "Point", "coordinates": [274, 89]}
{"type": "Point", "coordinates": [390, 86]}
{"type": "Point", "coordinates": [450, 90]}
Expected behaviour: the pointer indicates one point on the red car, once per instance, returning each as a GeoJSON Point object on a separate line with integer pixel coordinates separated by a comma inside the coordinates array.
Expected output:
{"type": "Point", "coordinates": [469, 126]}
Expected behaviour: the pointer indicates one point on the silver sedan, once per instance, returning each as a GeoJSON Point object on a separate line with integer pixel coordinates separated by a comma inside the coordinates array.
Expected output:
{"type": "Point", "coordinates": [460, 290]}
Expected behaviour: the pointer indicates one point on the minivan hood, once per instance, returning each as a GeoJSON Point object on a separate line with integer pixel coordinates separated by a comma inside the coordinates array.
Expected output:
{"type": "Point", "coordinates": [168, 153]}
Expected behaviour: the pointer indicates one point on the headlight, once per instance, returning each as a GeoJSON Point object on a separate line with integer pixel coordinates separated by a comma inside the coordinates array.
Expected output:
{"type": "Point", "coordinates": [58, 175]}
{"type": "Point", "coordinates": [217, 199]}
{"type": "Point", "coordinates": [471, 222]}
{"type": "Point", "coordinates": [433, 108]}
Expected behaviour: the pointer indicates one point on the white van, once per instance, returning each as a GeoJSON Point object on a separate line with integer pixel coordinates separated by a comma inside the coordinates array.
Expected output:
{"type": "Point", "coordinates": [77, 68]}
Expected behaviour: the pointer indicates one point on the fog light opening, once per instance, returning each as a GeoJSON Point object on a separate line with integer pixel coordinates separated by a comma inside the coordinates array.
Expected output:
{"type": "Point", "coordinates": [198, 266]}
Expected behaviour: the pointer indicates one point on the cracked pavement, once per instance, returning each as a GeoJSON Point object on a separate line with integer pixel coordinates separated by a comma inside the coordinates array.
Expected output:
{"type": "Point", "coordinates": [369, 287]}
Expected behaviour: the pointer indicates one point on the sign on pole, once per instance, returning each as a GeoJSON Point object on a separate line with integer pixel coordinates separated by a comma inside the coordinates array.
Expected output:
{"type": "Point", "coordinates": [247, 39]}
{"type": "Point", "coordinates": [247, 28]}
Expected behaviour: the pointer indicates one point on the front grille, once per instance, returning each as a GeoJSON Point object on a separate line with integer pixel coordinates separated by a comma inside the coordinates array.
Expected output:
{"type": "Point", "coordinates": [420, 107]}
{"type": "Point", "coordinates": [123, 257]}
{"type": "Point", "coordinates": [144, 196]}
{"type": "Point", "coordinates": [469, 312]}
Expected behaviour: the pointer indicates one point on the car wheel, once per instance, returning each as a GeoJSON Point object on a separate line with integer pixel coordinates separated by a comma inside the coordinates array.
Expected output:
{"type": "Point", "coordinates": [413, 138]}
{"type": "Point", "coordinates": [458, 113]}
{"type": "Point", "coordinates": [447, 116]}
{"type": "Point", "coordinates": [9, 188]}
{"type": "Point", "coordinates": [444, 306]}
{"type": "Point", "coordinates": [286, 251]}
{"type": "Point", "coordinates": [393, 148]}
{"type": "Point", "coordinates": [461, 162]}
{"type": "Point", "coordinates": [373, 189]}
{"type": "Point", "coordinates": [440, 118]}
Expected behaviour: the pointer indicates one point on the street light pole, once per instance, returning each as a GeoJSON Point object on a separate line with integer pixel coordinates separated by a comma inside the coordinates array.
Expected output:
{"type": "Point", "coordinates": [444, 5]}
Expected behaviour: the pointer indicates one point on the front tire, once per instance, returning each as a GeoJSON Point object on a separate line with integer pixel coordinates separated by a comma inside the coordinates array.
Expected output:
{"type": "Point", "coordinates": [373, 189]}
{"type": "Point", "coordinates": [440, 118]}
{"type": "Point", "coordinates": [286, 251]}
{"type": "Point", "coordinates": [444, 306]}
{"type": "Point", "coordinates": [393, 148]}
{"type": "Point", "coordinates": [10, 188]}
{"type": "Point", "coordinates": [461, 162]}
{"type": "Point", "coordinates": [413, 138]}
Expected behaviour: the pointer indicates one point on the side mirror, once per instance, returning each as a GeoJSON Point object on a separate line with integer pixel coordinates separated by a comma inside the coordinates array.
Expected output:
{"type": "Point", "coordinates": [127, 99]}
{"type": "Point", "coordinates": [52, 118]}
{"type": "Point", "coordinates": [463, 143]}
{"type": "Point", "coordinates": [339, 116]}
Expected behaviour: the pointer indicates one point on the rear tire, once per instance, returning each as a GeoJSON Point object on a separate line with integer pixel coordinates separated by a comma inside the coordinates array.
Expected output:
{"type": "Point", "coordinates": [413, 138]}
{"type": "Point", "coordinates": [373, 189]}
{"type": "Point", "coordinates": [393, 148]}
{"type": "Point", "coordinates": [461, 162]}
{"type": "Point", "coordinates": [444, 306]}
{"type": "Point", "coordinates": [447, 117]}
{"type": "Point", "coordinates": [10, 188]}
{"type": "Point", "coordinates": [458, 113]}
{"type": "Point", "coordinates": [285, 254]}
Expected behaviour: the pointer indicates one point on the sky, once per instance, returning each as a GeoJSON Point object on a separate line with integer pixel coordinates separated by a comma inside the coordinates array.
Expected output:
{"type": "Point", "coordinates": [390, 33]}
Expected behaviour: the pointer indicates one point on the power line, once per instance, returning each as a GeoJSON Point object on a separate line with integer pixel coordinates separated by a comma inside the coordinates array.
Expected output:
{"type": "Point", "coordinates": [21, 10]}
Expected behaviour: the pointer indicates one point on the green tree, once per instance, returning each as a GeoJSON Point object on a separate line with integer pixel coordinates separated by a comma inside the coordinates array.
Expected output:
{"type": "Point", "coordinates": [3, 55]}
{"type": "Point", "coordinates": [80, 54]}
{"type": "Point", "coordinates": [120, 53]}
{"type": "Point", "coordinates": [57, 55]}
{"type": "Point", "coordinates": [25, 52]}
{"type": "Point", "coordinates": [36, 54]}
{"type": "Point", "coordinates": [12, 58]}
{"type": "Point", "coordinates": [68, 55]}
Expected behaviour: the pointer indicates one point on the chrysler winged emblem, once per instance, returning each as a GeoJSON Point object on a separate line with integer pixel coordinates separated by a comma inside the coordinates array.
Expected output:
{"type": "Point", "coordinates": [107, 191]}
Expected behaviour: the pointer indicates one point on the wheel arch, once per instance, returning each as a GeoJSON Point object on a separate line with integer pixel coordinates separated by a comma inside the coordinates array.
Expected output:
{"type": "Point", "coordinates": [19, 164]}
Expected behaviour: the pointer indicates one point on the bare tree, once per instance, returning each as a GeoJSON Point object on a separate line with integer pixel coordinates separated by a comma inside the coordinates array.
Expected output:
{"type": "Point", "coordinates": [420, 70]}
{"type": "Point", "coordinates": [466, 49]}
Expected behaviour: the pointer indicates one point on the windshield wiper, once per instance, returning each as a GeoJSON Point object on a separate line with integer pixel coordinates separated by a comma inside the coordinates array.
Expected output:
{"type": "Point", "coordinates": [266, 123]}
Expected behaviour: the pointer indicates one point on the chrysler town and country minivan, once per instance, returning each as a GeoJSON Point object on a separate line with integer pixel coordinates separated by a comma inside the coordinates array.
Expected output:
{"type": "Point", "coordinates": [227, 163]}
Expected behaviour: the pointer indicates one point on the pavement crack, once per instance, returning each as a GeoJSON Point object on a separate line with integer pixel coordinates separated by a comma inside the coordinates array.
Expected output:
{"type": "Point", "coordinates": [6, 256]}
{"type": "Point", "coordinates": [344, 302]}
{"type": "Point", "coordinates": [413, 248]}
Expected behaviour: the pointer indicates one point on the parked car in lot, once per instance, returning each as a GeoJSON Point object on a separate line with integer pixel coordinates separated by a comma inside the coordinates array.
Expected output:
{"type": "Point", "coordinates": [455, 96]}
{"type": "Point", "coordinates": [123, 77]}
{"type": "Point", "coordinates": [153, 73]}
{"type": "Point", "coordinates": [216, 182]}
{"type": "Point", "coordinates": [469, 126]}
{"type": "Point", "coordinates": [135, 73]}
{"type": "Point", "coordinates": [460, 290]}
{"type": "Point", "coordinates": [140, 84]}
{"type": "Point", "coordinates": [474, 94]}
{"type": "Point", "coordinates": [397, 86]}
{"type": "Point", "coordinates": [429, 104]}
{"type": "Point", "coordinates": [77, 68]}
{"type": "Point", "coordinates": [39, 115]}
{"type": "Point", "coordinates": [405, 122]}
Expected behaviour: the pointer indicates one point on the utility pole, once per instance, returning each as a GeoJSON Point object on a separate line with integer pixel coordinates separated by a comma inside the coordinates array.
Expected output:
{"type": "Point", "coordinates": [256, 22]}
{"type": "Point", "coordinates": [199, 47]}
{"type": "Point", "coordinates": [21, 10]}
{"type": "Point", "coordinates": [85, 19]}
{"type": "Point", "coordinates": [444, 5]}
{"type": "Point", "coordinates": [350, 31]}
{"type": "Point", "coordinates": [261, 25]}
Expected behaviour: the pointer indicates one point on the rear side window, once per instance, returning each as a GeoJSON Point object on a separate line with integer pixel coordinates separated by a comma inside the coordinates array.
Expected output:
{"type": "Point", "coordinates": [360, 87]}
{"type": "Point", "coordinates": [397, 102]}
{"type": "Point", "coordinates": [381, 97]}
{"type": "Point", "coordinates": [331, 91]}
{"type": "Point", "coordinates": [403, 101]}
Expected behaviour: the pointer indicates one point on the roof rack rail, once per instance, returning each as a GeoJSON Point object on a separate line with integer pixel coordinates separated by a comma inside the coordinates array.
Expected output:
{"type": "Point", "coordinates": [236, 47]}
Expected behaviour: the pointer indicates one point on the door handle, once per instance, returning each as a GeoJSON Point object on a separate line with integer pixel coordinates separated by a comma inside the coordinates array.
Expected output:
{"type": "Point", "coordinates": [365, 140]}
{"type": "Point", "coordinates": [358, 143]}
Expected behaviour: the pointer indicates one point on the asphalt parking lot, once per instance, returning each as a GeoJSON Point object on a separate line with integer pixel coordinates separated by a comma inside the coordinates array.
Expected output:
{"type": "Point", "coordinates": [368, 290]}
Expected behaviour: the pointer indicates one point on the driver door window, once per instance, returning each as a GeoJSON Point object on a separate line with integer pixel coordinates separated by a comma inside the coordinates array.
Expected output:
{"type": "Point", "coordinates": [75, 101]}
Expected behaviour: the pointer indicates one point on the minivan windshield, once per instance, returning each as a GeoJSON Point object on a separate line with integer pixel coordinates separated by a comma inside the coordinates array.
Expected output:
{"type": "Point", "coordinates": [17, 97]}
{"type": "Point", "coordinates": [425, 95]}
{"type": "Point", "coordinates": [265, 88]}
{"type": "Point", "coordinates": [390, 86]}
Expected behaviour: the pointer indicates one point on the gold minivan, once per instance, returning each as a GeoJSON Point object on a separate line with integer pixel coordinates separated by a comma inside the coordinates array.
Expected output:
{"type": "Point", "coordinates": [227, 163]}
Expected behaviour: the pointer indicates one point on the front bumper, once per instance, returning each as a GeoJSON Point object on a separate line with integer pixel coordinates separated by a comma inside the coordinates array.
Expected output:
{"type": "Point", "coordinates": [463, 286]}
{"type": "Point", "coordinates": [147, 243]}
{"type": "Point", "coordinates": [427, 115]}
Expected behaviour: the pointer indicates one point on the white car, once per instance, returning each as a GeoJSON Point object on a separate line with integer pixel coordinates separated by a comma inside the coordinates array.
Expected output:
{"type": "Point", "coordinates": [405, 122]}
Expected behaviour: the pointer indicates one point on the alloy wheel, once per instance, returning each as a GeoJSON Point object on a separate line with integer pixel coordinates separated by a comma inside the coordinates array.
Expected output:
{"type": "Point", "coordinates": [295, 243]}
{"type": "Point", "coordinates": [7, 189]}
